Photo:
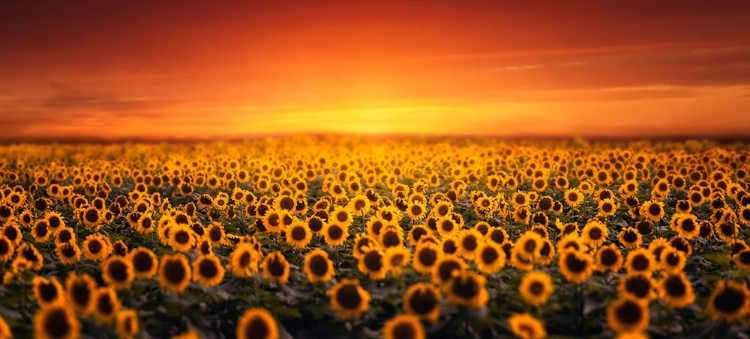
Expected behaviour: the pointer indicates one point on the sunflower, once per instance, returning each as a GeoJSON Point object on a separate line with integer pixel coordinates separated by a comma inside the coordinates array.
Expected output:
{"type": "Point", "coordinates": [272, 221]}
{"type": "Point", "coordinates": [174, 272]}
{"type": "Point", "coordinates": [529, 244]}
{"type": "Point", "coordinates": [416, 211]}
{"type": "Point", "coordinates": [727, 231]}
{"type": "Point", "coordinates": [47, 291]}
{"type": "Point", "coordinates": [627, 315]}
{"type": "Point", "coordinates": [105, 304]}
{"type": "Point", "coordinates": [335, 234]}
{"type": "Point", "coordinates": [594, 233]}
{"type": "Point", "coordinates": [687, 225]}
{"type": "Point", "coordinates": [637, 285]}
{"type": "Point", "coordinates": [416, 233]}
{"type": "Point", "coordinates": [466, 288]}
{"type": "Point", "coordinates": [181, 238]}
{"type": "Point", "coordinates": [315, 224]}
{"type": "Point", "coordinates": [80, 289]}
{"type": "Point", "coordinates": [446, 267]}
{"type": "Point", "coordinates": [672, 260]}
{"type": "Point", "coordinates": [31, 255]}
{"type": "Point", "coordinates": [92, 218]}
{"type": "Point", "coordinates": [96, 247]}
{"type": "Point", "coordinates": [318, 267]}
{"type": "Point", "coordinates": [536, 287]}
{"type": "Point", "coordinates": [422, 299]}
{"type": "Point", "coordinates": [630, 237]}
{"type": "Point", "coordinates": [468, 243]}
{"type": "Point", "coordinates": [442, 209]}
{"type": "Point", "coordinates": [426, 256]}
{"type": "Point", "coordinates": [375, 226]}
{"type": "Point", "coordinates": [257, 323]}
{"type": "Point", "coordinates": [490, 257]}
{"type": "Point", "coordinates": [41, 231]}
{"type": "Point", "coordinates": [497, 235]}
{"type": "Point", "coordinates": [144, 224]}
{"type": "Point", "coordinates": [207, 270]}
{"type": "Point", "coordinates": [405, 326]}
{"type": "Point", "coordinates": [742, 259]}
{"type": "Point", "coordinates": [567, 228]}
{"type": "Point", "coordinates": [359, 205]}
{"type": "Point", "coordinates": [676, 290]}
{"type": "Point", "coordinates": [127, 324]}
{"type": "Point", "coordinates": [348, 299]}
{"type": "Point", "coordinates": [608, 258]}
{"type": "Point", "coordinates": [361, 242]}
{"type": "Point", "coordinates": [640, 260]}
{"type": "Point", "coordinates": [607, 207]}
{"type": "Point", "coordinates": [519, 199]}
{"type": "Point", "coordinates": [12, 232]}
{"type": "Point", "coordinates": [573, 197]}
{"type": "Point", "coordinates": [243, 261]}
{"type": "Point", "coordinates": [446, 226]}
{"type": "Point", "coordinates": [372, 263]}
{"type": "Point", "coordinates": [56, 321]}
{"type": "Point", "coordinates": [396, 258]}
{"type": "Point", "coordinates": [342, 216]}
{"type": "Point", "coordinates": [729, 301]}
{"type": "Point", "coordinates": [652, 210]}
{"type": "Point", "coordinates": [6, 249]}
{"type": "Point", "coordinates": [118, 272]}
{"type": "Point", "coordinates": [522, 215]}
{"type": "Point", "coordinates": [276, 268]}
{"type": "Point", "coordinates": [144, 263]}
{"type": "Point", "coordinates": [575, 266]}
{"type": "Point", "coordinates": [298, 235]}
{"type": "Point", "coordinates": [525, 326]}
{"type": "Point", "coordinates": [391, 236]}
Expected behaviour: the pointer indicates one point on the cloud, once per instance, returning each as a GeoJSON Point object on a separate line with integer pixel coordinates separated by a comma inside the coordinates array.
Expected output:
{"type": "Point", "coordinates": [522, 67]}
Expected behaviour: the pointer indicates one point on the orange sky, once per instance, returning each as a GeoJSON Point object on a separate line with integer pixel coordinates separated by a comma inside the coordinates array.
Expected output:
{"type": "Point", "coordinates": [195, 69]}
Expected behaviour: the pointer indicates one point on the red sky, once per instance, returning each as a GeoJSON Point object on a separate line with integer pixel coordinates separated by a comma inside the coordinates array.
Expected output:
{"type": "Point", "coordinates": [198, 69]}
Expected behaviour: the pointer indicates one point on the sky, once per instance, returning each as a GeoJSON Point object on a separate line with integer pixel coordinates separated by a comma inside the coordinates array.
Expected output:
{"type": "Point", "coordinates": [168, 69]}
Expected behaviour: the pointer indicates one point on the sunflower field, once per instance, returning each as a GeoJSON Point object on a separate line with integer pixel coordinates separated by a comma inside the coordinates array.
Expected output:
{"type": "Point", "coordinates": [352, 237]}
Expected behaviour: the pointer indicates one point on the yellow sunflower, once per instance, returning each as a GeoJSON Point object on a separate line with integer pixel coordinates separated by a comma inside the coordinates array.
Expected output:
{"type": "Point", "coordinates": [348, 299]}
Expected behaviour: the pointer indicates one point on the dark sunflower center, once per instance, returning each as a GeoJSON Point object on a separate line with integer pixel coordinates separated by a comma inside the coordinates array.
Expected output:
{"type": "Point", "coordinates": [92, 215]}
{"type": "Point", "coordinates": [56, 323]}
{"type": "Point", "coordinates": [629, 313]}
{"type": "Point", "coordinates": [423, 301]}
{"type": "Point", "coordinates": [595, 233]}
{"type": "Point", "coordinates": [215, 234]}
{"type": "Point", "coordinates": [688, 225]}
{"type": "Point", "coordinates": [104, 305]}
{"type": "Point", "coordinates": [41, 229]}
{"type": "Point", "coordinates": [729, 300]}
{"type": "Point", "coordinates": [497, 236]}
{"type": "Point", "coordinates": [391, 239]}
{"type": "Point", "coordinates": [639, 286]}
{"type": "Point", "coordinates": [654, 209]}
{"type": "Point", "coordinates": [529, 246]}
{"type": "Point", "coordinates": [672, 259]}
{"type": "Point", "coordinates": [536, 288]}
{"type": "Point", "coordinates": [608, 257]}
{"type": "Point", "coordinates": [427, 257]}
{"type": "Point", "coordinates": [335, 232]}
{"type": "Point", "coordinates": [374, 261]}
{"type": "Point", "coordinates": [118, 270]}
{"type": "Point", "coordinates": [244, 259]}
{"type": "Point", "coordinates": [315, 224]}
{"type": "Point", "coordinates": [404, 330]}
{"type": "Point", "coordinates": [727, 229]}
{"type": "Point", "coordinates": [574, 264]}
{"type": "Point", "coordinates": [640, 262]}
{"type": "Point", "coordinates": [348, 297]}
{"type": "Point", "coordinates": [465, 288]}
{"type": "Point", "coordinates": [318, 265]}
{"type": "Point", "coordinates": [418, 233]}
{"type": "Point", "coordinates": [447, 225]}
{"type": "Point", "coordinates": [175, 271]}
{"type": "Point", "coordinates": [208, 269]}
{"type": "Point", "coordinates": [573, 197]}
{"type": "Point", "coordinates": [48, 292]}
{"type": "Point", "coordinates": [675, 286]}
{"type": "Point", "coordinates": [446, 268]}
{"type": "Point", "coordinates": [630, 236]}
{"type": "Point", "coordinates": [276, 267]}
{"type": "Point", "coordinates": [182, 237]}
{"type": "Point", "coordinates": [4, 247]}
{"type": "Point", "coordinates": [256, 328]}
{"type": "Point", "coordinates": [342, 217]}
{"type": "Point", "coordinates": [469, 243]}
{"type": "Point", "coordinates": [286, 203]}
{"type": "Point", "coordinates": [299, 233]}
{"type": "Point", "coordinates": [95, 246]}
{"type": "Point", "coordinates": [142, 262]}
{"type": "Point", "coordinates": [489, 255]}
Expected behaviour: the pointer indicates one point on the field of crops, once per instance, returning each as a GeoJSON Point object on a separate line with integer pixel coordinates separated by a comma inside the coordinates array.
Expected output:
{"type": "Point", "coordinates": [331, 237]}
